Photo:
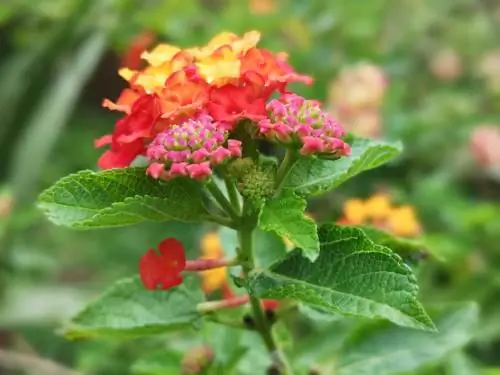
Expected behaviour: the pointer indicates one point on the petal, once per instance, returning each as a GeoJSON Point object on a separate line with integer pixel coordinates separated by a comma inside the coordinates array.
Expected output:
{"type": "Point", "coordinates": [150, 269]}
{"type": "Point", "coordinates": [104, 140]}
{"type": "Point", "coordinates": [173, 250]}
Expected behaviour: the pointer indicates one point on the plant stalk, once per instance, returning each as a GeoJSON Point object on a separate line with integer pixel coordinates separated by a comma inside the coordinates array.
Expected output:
{"type": "Point", "coordinates": [245, 236]}
{"type": "Point", "coordinates": [284, 168]}
{"type": "Point", "coordinates": [222, 200]}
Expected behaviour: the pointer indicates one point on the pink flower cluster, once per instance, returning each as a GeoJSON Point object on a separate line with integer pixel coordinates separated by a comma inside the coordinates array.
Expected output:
{"type": "Point", "coordinates": [296, 121]}
{"type": "Point", "coordinates": [191, 149]}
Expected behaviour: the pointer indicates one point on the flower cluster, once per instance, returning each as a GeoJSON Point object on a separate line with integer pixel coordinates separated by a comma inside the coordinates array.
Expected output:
{"type": "Point", "coordinates": [379, 211]}
{"type": "Point", "coordinates": [356, 96]}
{"type": "Point", "coordinates": [229, 79]}
{"type": "Point", "coordinates": [191, 148]}
{"type": "Point", "coordinates": [295, 120]}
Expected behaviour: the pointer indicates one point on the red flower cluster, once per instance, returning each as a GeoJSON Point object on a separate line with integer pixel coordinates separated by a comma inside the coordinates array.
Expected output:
{"type": "Point", "coordinates": [229, 79]}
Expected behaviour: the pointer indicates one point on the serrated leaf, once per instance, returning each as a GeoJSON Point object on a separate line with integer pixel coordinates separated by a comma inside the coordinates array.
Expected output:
{"type": "Point", "coordinates": [313, 176]}
{"type": "Point", "coordinates": [402, 246]}
{"type": "Point", "coordinates": [127, 309]}
{"type": "Point", "coordinates": [352, 276]}
{"type": "Point", "coordinates": [285, 216]}
{"type": "Point", "coordinates": [119, 197]}
{"type": "Point", "coordinates": [162, 362]}
{"type": "Point", "coordinates": [390, 350]}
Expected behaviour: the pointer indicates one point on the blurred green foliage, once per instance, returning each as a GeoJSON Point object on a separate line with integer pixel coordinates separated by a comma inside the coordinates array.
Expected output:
{"type": "Point", "coordinates": [58, 59]}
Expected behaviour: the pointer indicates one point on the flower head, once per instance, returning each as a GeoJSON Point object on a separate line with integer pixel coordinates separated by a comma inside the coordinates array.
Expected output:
{"type": "Point", "coordinates": [295, 120]}
{"type": "Point", "coordinates": [191, 149]}
{"type": "Point", "coordinates": [229, 78]}
{"type": "Point", "coordinates": [163, 270]}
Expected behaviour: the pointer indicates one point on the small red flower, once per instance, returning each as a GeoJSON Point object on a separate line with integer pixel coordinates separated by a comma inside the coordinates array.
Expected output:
{"type": "Point", "coordinates": [163, 270]}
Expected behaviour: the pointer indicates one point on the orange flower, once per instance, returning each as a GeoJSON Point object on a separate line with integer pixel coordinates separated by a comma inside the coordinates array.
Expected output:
{"type": "Point", "coordinates": [378, 207]}
{"type": "Point", "coordinates": [229, 78]}
{"type": "Point", "coordinates": [355, 211]}
{"type": "Point", "coordinates": [402, 221]}
{"type": "Point", "coordinates": [379, 212]}
{"type": "Point", "coordinates": [211, 248]}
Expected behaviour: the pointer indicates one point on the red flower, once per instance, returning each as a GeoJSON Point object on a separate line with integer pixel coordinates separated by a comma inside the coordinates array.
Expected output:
{"type": "Point", "coordinates": [273, 67]}
{"type": "Point", "coordinates": [163, 270]}
{"type": "Point", "coordinates": [184, 94]}
{"type": "Point", "coordinates": [127, 140]}
{"type": "Point", "coordinates": [230, 103]}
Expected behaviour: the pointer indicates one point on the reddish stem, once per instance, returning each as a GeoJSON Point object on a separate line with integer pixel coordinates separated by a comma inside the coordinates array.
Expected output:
{"type": "Point", "coordinates": [222, 304]}
{"type": "Point", "coordinates": [207, 264]}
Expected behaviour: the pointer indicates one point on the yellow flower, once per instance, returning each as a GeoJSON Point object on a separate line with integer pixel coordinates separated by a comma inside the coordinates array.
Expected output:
{"type": "Point", "coordinates": [378, 207]}
{"type": "Point", "coordinates": [403, 221]}
{"type": "Point", "coordinates": [220, 67]}
{"type": "Point", "coordinates": [355, 211]}
{"type": "Point", "coordinates": [161, 54]}
{"type": "Point", "coordinates": [211, 248]}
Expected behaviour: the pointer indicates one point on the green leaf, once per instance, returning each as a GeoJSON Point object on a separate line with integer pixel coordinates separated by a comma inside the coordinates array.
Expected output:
{"type": "Point", "coordinates": [127, 309]}
{"type": "Point", "coordinates": [162, 362]}
{"type": "Point", "coordinates": [402, 246]}
{"type": "Point", "coordinates": [352, 276]}
{"type": "Point", "coordinates": [313, 176]}
{"type": "Point", "coordinates": [285, 216]}
{"type": "Point", "coordinates": [119, 197]}
{"type": "Point", "coordinates": [388, 350]}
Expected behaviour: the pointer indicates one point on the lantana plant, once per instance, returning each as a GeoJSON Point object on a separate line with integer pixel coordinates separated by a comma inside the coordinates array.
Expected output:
{"type": "Point", "coordinates": [187, 148]}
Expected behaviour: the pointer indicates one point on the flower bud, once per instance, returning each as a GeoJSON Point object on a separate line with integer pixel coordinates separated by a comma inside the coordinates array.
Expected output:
{"type": "Point", "coordinates": [191, 149]}
{"type": "Point", "coordinates": [196, 359]}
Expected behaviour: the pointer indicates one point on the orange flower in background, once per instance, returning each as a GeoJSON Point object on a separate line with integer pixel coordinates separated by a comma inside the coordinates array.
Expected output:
{"type": "Point", "coordinates": [229, 79]}
{"type": "Point", "coordinates": [485, 145]}
{"type": "Point", "coordinates": [262, 6]}
{"type": "Point", "coordinates": [379, 212]}
{"type": "Point", "coordinates": [163, 270]}
{"type": "Point", "coordinates": [402, 221]}
{"type": "Point", "coordinates": [446, 65]}
{"type": "Point", "coordinates": [356, 96]}
{"type": "Point", "coordinates": [211, 248]}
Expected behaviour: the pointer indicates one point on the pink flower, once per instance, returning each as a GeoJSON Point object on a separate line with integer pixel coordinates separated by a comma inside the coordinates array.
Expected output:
{"type": "Point", "coordinates": [191, 149]}
{"type": "Point", "coordinates": [302, 123]}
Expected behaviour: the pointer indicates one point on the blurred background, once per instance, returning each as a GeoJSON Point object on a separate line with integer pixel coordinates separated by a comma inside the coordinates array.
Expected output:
{"type": "Point", "coordinates": [422, 71]}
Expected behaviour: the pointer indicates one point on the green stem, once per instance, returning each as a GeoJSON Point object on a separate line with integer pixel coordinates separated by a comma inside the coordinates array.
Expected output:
{"type": "Point", "coordinates": [221, 220]}
{"type": "Point", "coordinates": [222, 200]}
{"type": "Point", "coordinates": [233, 193]}
{"type": "Point", "coordinates": [245, 236]}
{"type": "Point", "coordinates": [284, 168]}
